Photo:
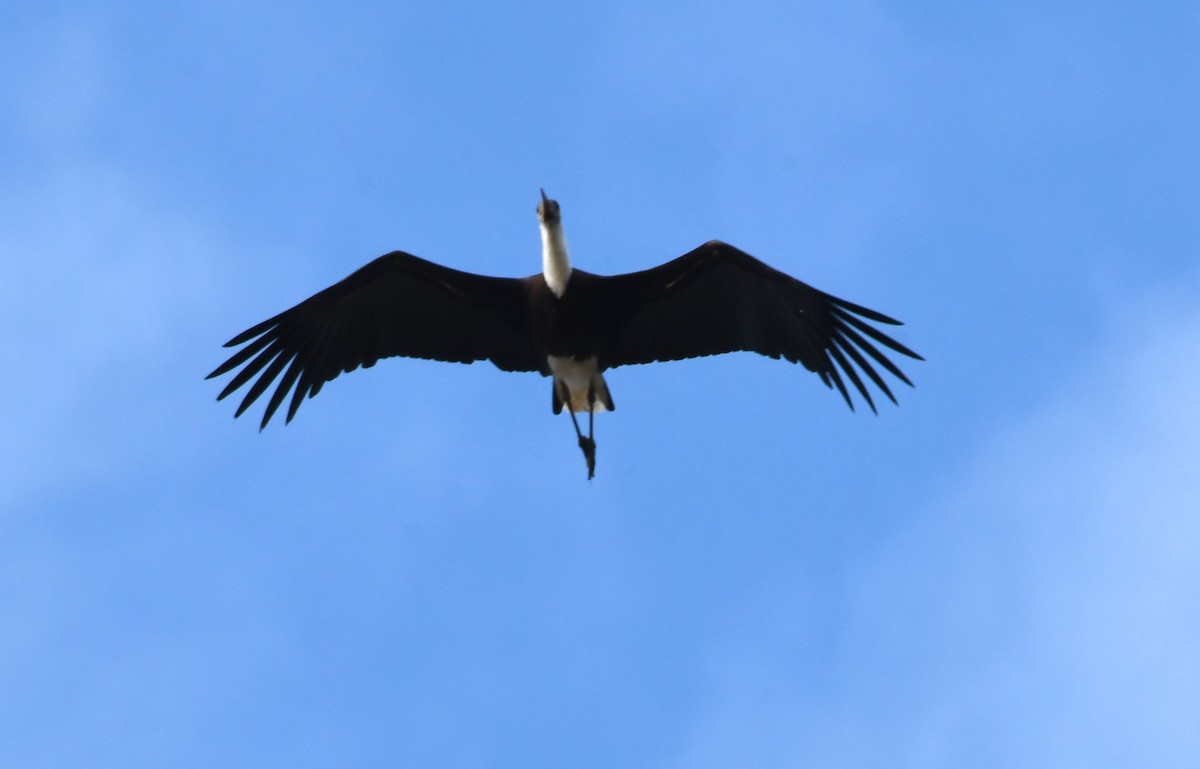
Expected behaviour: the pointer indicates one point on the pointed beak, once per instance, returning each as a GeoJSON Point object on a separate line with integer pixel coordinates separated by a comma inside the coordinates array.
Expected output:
{"type": "Point", "coordinates": [545, 199]}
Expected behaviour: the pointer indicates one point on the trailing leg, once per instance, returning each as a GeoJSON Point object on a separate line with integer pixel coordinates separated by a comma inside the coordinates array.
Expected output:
{"type": "Point", "coordinates": [586, 444]}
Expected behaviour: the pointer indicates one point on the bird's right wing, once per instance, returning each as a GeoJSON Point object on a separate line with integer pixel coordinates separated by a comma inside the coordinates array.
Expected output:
{"type": "Point", "coordinates": [397, 305]}
{"type": "Point", "coordinates": [717, 299]}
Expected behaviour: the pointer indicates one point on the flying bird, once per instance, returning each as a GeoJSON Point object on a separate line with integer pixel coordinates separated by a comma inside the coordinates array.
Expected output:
{"type": "Point", "coordinates": [563, 323]}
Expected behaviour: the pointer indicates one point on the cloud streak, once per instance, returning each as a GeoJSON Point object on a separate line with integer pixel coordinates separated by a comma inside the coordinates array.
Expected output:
{"type": "Point", "coordinates": [1056, 581]}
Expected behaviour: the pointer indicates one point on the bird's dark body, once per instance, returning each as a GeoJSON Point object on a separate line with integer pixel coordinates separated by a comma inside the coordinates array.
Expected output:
{"type": "Point", "coordinates": [712, 300]}
{"type": "Point", "coordinates": [570, 326]}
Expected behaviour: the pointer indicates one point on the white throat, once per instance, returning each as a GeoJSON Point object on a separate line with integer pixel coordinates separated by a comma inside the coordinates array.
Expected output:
{"type": "Point", "coordinates": [556, 265]}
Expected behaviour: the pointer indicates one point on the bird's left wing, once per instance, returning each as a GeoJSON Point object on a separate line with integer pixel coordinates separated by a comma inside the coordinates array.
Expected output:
{"type": "Point", "coordinates": [717, 299]}
{"type": "Point", "coordinates": [397, 305]}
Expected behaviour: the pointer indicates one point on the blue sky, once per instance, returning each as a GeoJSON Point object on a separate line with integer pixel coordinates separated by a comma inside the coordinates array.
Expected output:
{"type": "Point", "coordinates": [1001, 572]}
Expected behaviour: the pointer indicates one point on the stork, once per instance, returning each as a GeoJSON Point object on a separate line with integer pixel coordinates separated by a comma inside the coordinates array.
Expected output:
{"type": "Point", "coordinates": [563, 323]}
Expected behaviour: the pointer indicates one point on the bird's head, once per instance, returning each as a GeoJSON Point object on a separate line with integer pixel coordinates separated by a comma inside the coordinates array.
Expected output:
{"type": "Point", "coordinates": [547, 210]}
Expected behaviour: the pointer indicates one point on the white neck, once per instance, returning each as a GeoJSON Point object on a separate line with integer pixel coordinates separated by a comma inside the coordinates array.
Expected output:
{"type": "Point", "coordinates": [556, 265]}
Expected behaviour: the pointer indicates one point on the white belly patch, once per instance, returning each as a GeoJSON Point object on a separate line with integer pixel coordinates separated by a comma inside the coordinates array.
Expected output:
{"type": "Point", "coordinates": [578, 376]}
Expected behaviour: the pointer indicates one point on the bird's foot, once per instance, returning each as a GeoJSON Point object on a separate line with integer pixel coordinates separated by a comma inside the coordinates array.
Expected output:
{"type": "Point", "coordinates": [589, 453]}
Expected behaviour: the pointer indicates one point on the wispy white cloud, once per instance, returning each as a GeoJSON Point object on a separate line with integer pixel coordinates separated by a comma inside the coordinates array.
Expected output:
{"type": "Point", "coordinates": [102, 274]}
{"type": "Point", "coordinates": [103, 281]}
{"type": "Point", "coordinates": [1040, 613]}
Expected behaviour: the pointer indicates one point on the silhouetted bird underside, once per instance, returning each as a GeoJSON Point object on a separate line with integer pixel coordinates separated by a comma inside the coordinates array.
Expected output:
{"type": "Point", "coordinates": [563, 323]}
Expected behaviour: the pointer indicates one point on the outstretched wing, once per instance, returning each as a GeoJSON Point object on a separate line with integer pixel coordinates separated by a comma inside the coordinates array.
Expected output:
{"type": "Point", "coordinates": [398, 304]}
{"type": "Point", "coordinates": [719, 299]}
